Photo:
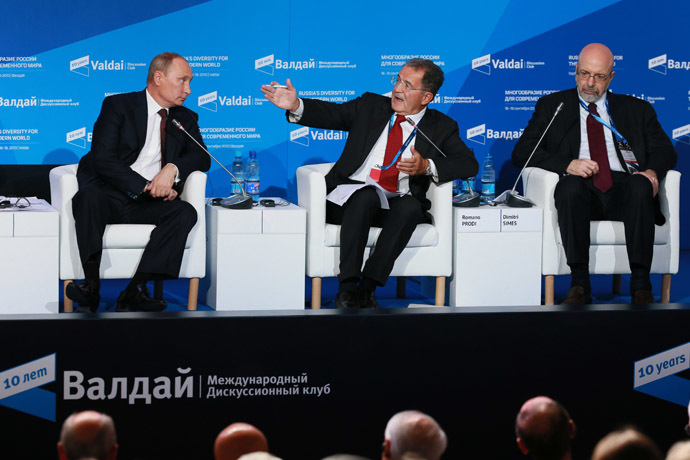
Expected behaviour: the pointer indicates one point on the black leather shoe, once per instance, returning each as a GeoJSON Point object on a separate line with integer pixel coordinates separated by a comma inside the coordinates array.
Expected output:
{"type": "Point", "coordinates": [367, 299]}
{"type": "Point", "coordinates": [139, 301]}
{"type": "Point", "coordinates": [347, 300]}
{"type": "Point", "coordinates": [86, 295]}
{"type": "Point", "coordinates": [577, 296]}
{"type": "Point", "coordinates": [642, 297]}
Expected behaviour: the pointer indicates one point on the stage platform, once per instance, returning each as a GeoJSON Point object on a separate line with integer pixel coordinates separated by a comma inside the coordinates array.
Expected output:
{"type": "Point", "coordinates": [321, 382]}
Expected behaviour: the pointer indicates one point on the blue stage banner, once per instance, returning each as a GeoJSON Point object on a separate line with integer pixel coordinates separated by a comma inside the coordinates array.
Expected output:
{"type": "Point", "coordinates": [58, 62]}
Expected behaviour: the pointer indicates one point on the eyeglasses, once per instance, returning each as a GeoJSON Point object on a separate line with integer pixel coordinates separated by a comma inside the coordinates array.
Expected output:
{"type": "Point", "coordinates": [598, 77]}
{"type": "Point", "coordinates": [406, 85]}
{"type": "Point", "coordinates": [20, 203]}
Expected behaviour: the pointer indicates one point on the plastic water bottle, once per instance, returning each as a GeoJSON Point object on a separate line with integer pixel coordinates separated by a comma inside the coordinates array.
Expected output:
{"type": "Point", "coordinates": [252, 181]}
{"type": "Point", "coordinates": [457, 186]}
{"type": "Point", "coordinates": [238, 171]}
{"type": "Point", "coordinates": [468, 185]}
{"type": "Point", "coordinates": [488, 180]}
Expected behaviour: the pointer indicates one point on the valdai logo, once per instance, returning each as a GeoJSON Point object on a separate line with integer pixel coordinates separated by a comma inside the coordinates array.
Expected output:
{"type": "Point", "coordinates": [682, 134]}
{"type": "Point", "coordinates": [210, 101]}
{"type": "Point", "coordinates": [20, 388]}
{"type": "Point", "coordinates": [662, 64]}
{"type": "Point", "coordinates": [301, 135]}
{"type": "Point", "coordinates": [82, 65]}
{"type": "Point", "coordinates": [78, 137]}
{"type": "Point", "coordinates": [477, 134]}
{"type": "Point", "coordinates": [484, 64]}
{"type": "Point", "coordinates": [265, 64]}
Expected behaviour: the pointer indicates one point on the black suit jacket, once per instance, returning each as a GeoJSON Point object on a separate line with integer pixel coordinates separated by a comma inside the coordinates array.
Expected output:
{"type": "Point", "coordinates": [119, 135]}
{"type": "Point", "coordinates": [634, 118]}
{"type": "Point", "coordinates": [366, 117]}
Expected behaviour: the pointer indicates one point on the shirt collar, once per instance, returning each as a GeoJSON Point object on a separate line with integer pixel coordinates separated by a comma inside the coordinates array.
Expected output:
{"type": "Point", "coordinates": [601, 103]}
{"type": "Point", "coordinates": [152, 105]}
{"type": "Point", "coordinates": [417, 116]}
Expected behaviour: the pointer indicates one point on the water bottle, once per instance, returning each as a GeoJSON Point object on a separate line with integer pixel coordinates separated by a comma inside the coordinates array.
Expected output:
{"type": "Point", "coordinates": [457, 186]}
{"type": "Point", "coordinates": [238, 171]}
{"type": "Point", "coordinates": [488, 180]}
{"type": "Point", "coordinates": [252, 180]}
{"type": "Point", "coordinates": [468, 185]}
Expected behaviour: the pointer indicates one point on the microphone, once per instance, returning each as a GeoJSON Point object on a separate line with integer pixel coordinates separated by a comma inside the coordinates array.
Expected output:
{"type": "Point", "coordinates": [236, 201]}
{"type": "Point", "coordinates": [465, 200]}
{"type": "Point", "coordinates": [410, 121]}
{"type": "Point", "coordinates": [514, 199]}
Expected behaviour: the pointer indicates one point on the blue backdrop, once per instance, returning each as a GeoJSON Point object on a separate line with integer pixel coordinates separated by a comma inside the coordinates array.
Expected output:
{"type": "Point", "coordinates": [59, 60]}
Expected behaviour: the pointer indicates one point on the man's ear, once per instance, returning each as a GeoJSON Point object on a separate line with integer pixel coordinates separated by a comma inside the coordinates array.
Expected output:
{"type": "Point", "coordinates": [428, 97]}
{"type": "Point", "coordinates": [113, 453]}
{"type": "Point", "coordinates": [386, 454]}
{"type": "Point", "coordinates": [61, 451]}
{"type": "Point", "coordinates": [572, 429]}
{"type": "Point", "coordinates": [522, 446]}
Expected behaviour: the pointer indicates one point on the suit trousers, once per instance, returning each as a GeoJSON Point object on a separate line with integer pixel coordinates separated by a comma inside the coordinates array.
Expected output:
{"type": "Point", "coordinates": [630, 200]}
{"type": "Point", "coordinates": [95, 206]}
{"type": "Point", "coordinates": [362, 211]}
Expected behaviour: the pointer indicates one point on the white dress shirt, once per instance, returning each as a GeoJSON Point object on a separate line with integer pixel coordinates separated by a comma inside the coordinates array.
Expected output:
{"type": "Point", "coordinates": [376, 156]}
{"type": "Point", "coordinates": [614, 162]}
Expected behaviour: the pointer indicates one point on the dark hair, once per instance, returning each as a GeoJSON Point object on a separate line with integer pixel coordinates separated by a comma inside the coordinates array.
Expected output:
{"type": "Point", "coordinates": [551, 443]}
{"type": "Point", "coordinates": [433, 75]}
{"type": "Point", "coordinates": [161, 62]}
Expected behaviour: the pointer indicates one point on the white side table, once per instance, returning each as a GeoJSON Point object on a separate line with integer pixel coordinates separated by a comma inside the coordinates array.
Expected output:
{"type": "Point", "coordinates": [29, 267]}
{"type": "Point", "coordinates": [256, 258]}
{"type": "Point", "coordinates": [497, 256]}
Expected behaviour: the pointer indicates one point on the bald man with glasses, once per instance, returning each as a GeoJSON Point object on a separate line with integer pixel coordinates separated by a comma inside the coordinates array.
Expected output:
{"type": "Point", "coordinates": [611, 153]}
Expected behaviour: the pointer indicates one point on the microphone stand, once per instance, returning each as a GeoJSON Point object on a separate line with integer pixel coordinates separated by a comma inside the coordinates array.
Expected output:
{"type": "Point", "coordinates": [235, 201]}
{"type": "Point", "coordinates": [514, 199]}
{"type": "Point", "coordinates": [464, 200]}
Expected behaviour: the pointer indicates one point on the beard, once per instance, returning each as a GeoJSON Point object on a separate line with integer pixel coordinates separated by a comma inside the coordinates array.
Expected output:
{"type": "Point", "coordinates": [589, 97]}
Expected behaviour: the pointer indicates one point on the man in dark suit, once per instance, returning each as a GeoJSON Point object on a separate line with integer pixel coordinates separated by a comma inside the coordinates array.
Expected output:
{"type": "Point", "coordinates": [135, 173]}
{"type": "Point", "coordinates": [377, 127]}
{"type": "Point", "coordinates": [611, 152]}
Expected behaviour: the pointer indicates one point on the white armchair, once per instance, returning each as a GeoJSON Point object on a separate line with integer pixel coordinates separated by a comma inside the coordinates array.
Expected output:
{"type": "Point", "coordinates": [607, 254]}
{"type": "Point", "coordinates": [428, 253]}
{"type": "Point", "coordinates": [123, 244]}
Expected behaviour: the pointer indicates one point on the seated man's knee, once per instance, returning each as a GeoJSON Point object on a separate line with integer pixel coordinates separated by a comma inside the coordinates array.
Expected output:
{"type": "Point", "coordinates": [568, 186]}
{"type": "Point", "coordinates": [639, 187]}
{"type": "Point", "coordinates": [187, 212]}
{"type": "Point", "coordinates": [366, 196]}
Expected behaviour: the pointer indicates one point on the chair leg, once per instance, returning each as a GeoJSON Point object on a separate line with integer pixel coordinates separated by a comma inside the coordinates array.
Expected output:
{"type": "Point", "coordinates": [665, 288]}
{"type": "Point", "coordinates": [400, 287]}
{"type": "Point", "coordinates": [440, 291]}
{"type": "Point", "coordinates": [316, 293]}
{"type": "Point", "coordinates": [548, 289]}
{"type": "Point", "coordinates": [193, 294]}
{"type": "Point", "coordinates": [616, 287]}
{"type": "Point", "coordinates": [158, 289]}
{"type": "Point", "coordinates": [68, 303]}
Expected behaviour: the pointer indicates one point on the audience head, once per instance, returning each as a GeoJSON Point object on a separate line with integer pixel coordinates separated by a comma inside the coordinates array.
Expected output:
{"type": "Point", "coordinates": [237, 440]}
{"type": "Point", "coordinates": [679, 451]}
{"type": "Point", "coordinates": [544, 429]}
{"type": "Point", "coordinates": [413, 435]}
{"type": "Point", "coordinates": [626, 444]}
{"type": "Point", "coordinates": [87, 435]}
{"type": "Point", "coordinates": [258, 456]}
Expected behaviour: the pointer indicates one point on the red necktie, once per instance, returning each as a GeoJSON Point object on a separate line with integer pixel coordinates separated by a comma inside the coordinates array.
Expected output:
{"type": "Point", "coordinates": [164, 116]}
{"type": "Point", "coordinates": [389, 177]}
{"type": "Point", "coordinates": [597, 150]}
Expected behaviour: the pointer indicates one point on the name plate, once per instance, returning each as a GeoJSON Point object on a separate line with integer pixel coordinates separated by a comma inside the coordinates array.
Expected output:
{"type": "Point", "coordinates": [521, 220]}
{"type": "Point", "coordinates": [478, 220]}
{"type": "Point", "coordinates": [497, 219]}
